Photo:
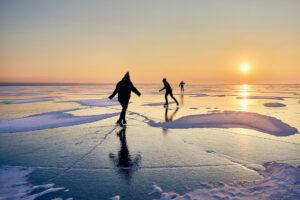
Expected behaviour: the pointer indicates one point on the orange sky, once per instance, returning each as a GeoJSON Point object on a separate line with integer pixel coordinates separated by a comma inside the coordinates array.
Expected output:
{"type": "Point", "coordinates": [194, 41]}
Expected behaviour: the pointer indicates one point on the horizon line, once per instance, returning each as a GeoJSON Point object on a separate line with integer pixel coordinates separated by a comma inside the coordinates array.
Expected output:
{"type": "Point", "coordinates": [98, 83]}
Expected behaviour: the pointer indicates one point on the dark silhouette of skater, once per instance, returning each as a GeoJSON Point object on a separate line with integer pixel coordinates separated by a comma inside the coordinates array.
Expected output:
{"type": "Point", "coordinates": [181, 84]}
{"type": "Point", "coordinates": [124, 162]}
{"type": "Point", "coordinates": [124, 88]}
{"type": "Point", "coordinates": [168, 91]}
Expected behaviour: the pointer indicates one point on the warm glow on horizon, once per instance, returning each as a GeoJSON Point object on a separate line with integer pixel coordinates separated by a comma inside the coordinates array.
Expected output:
{"type": "Point", "coordinates": [99, 41]}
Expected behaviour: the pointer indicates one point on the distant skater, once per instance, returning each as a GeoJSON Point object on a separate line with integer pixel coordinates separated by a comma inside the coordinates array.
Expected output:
{"type": "Point", "coordinates": [181, 85]}
{"type": "Point", "coordinates": [168, 92]}
{"type": "Point", "coordinates": [124, 88]}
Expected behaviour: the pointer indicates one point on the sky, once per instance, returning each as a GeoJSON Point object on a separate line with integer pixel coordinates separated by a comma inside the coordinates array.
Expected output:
{"type": "Point", "coordinates": [197, 41]}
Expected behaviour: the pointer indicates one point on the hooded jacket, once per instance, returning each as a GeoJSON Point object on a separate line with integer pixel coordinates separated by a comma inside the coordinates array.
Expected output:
{"type": "Point", "coordinates": [124, 88]}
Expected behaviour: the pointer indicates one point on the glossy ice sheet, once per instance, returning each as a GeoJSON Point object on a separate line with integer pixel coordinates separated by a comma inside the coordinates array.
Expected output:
{"type": "Point", "coordinates": [96, 161]}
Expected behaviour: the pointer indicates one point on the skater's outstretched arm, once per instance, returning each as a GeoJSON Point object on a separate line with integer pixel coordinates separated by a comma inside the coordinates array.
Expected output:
{"type": "Point", "coordinates": [162, 88]}
{"type": "Point", "coordinates": [133, 89]}
{"type": "Point", "coordinates": [114, 93]}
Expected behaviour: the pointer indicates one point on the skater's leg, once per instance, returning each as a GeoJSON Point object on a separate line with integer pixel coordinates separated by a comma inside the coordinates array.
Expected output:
{"type": "Point", "coordinates": [166, 97]}
{"type": "Point", "coordinates": [120, 118]}
{"type": "Point", "coordinates": [123, 113]}
{"type": "Point", "coordinates": [171, 94]}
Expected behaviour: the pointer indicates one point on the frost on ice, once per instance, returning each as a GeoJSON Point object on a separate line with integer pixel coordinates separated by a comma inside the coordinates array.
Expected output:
{"type": "Point", "coordinates": [231, 119]}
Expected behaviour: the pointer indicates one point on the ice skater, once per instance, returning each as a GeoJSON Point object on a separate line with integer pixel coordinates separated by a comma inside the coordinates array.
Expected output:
{"type": "Point", "coordinates": [168, 92]}
{"type": "Point", "coordinates": [124, 88]}
{"type": "Point", "coordinates": [181, 85]}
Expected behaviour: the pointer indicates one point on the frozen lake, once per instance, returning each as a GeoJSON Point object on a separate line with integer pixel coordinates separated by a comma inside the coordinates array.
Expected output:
{"type": "Point", "coordinates": [61, 142]}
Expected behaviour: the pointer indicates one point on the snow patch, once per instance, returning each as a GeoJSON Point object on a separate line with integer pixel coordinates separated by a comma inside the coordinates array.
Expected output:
{"type": "Point", "coordinates": [31, 100]}
{"type": "Point", "coordinates": [14, 184]}
{"type": "Point", "coordinates": [199, 95]}
{"type": "Point", "coordinates": [274, 105]}
{"type": "Point", "coordinates": [156, 189]}
{"type": "Point", "coordinates": [281, 181]}
{"type": "Point", "coordinates": [116, 197]}
{"type": "Point", "coordinates": [231, 119]}
{"type": "Point", "coordinates": [95, 102]}
{"type": "Point", "coordinates": [261, 97]}
{"type": "Point", "coordinates": [48, 120]}
{"type": "Point", "coordinates": [28, 94]}
{"type": "Point", "coordinates": [157, 104]}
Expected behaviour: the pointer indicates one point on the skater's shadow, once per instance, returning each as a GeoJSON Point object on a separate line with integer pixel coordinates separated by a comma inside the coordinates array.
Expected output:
{"type": "Point", "coordinates": [125, 164]}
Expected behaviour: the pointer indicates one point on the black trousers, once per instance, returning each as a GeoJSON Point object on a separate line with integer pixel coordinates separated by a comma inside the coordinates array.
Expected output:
{"type": "Point", "coordinates": [171, 94]}
{"type": "Point", "coordinates": [124, 104]}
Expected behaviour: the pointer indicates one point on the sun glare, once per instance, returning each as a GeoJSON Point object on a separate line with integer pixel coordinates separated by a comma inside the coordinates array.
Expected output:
{"type": "Point", "coordinates": [245, 68]}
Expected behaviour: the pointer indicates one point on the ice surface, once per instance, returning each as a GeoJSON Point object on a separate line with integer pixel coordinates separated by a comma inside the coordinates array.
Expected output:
{"type": "Point", "coordinates": [31, 100]}
{"type": "Point", "coordinates": [14, 184]}
{"type": "Point", "coordinates": [48, 120]}
{"type": "Point", "coordinates": [95, 102]}
{"type": "Point", "coordinates": [79, 157]}
{"type": "Point", "coordinates": [274, 105]}
{"type": "Point", "coordinates": [281, 181]}
{"type": "Point", "coordinates": [231, 119]}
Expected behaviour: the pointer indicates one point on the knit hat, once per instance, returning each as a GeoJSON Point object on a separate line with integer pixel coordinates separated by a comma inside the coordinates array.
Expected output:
{"type": "Point", "coordinates": [127, 75]}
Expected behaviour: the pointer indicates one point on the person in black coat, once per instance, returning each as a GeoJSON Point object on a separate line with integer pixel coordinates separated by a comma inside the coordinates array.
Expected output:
{"type": "Point", "coordinates": [124, 88]}
{"type": "Point", "coordinates": [168, 89]}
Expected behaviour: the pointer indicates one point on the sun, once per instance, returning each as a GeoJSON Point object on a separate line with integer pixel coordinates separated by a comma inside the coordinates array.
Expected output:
{"type": "Point", "coordinates": [244, 68]}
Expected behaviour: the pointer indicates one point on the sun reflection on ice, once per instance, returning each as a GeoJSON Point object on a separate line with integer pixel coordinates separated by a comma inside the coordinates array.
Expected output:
{"type": "Point", "coordinates": [244, 93]}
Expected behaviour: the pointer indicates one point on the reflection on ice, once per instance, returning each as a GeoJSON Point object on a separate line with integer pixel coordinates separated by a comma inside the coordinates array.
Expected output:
{"type": "Point", "coordinates": [244, 94]}
{"type": "Point", "coordinates": [169, 118]}
{"type": "Point", "coordinates": [124, 162]}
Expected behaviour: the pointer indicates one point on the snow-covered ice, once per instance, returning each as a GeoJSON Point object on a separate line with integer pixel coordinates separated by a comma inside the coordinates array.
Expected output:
{"type": "Point", "coordinates": [48, 120]}
{"type": "Point", "coordinates": [281, 181]}
{"type": "Point", "coordinates": [117, 197]}
{"type": "Point", "coordinates": [157, 104]}
{"type": "Point", "coordinates": [30, 100]}
{"type": "Point", "coordinates": [231, 119]}
{"type": "Point", "coordinates": [274, 105]}
{"type": "Point", "coordinates": [156, 189]}
{"type": "Point", "coordinates": [14, 184]}
{"type": "Point", "coordinates": [260, 97]}
{"type": "Point", "coordinates": [95, 102]}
